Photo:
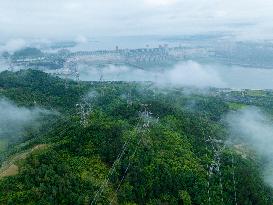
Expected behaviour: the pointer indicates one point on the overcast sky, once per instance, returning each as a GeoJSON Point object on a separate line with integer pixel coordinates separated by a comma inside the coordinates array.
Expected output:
{"type": "Point", "coordinates": [248, 19]}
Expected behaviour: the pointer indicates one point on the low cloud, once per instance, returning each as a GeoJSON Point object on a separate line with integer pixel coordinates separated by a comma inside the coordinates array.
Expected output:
{"type": "Point", "coordinates": [192, 74]}
{"type": "Point", "coordinates": [13, 45]}
{"type": "Point", "coordinates": [65, 19]}
{"type": "Point", "coordinates": [182, 74]}
{"type": "Point", "coordinates": [15, 119]}
{"type": "Point", "coordinates": [4, 65]}
{"type": "Point", "coordinates": [81, 39]}
{"type": "Point", "coordinates": [157, 3]}
{"type": "Point", "coordinates": [254, 128]}
{"type": "Point", "coordinates": [188, 73]}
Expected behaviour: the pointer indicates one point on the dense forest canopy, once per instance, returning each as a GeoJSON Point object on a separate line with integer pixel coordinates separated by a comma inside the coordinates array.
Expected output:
{"type": "Point", "coordinates": [127, 143]}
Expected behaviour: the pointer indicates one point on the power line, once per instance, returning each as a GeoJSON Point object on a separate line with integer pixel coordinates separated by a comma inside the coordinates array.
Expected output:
{"type": "Point", "coordinates": [111, 171]}
{"type": "Point", "coordinates": [147, 119]}
{"type": "Point", "coordinates": [145, 116]}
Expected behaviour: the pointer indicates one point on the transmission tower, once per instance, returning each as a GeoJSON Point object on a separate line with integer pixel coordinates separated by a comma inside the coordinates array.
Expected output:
{"type": "Point", "coordinates": [214, 168]}
{"type": "Point", "coordinates": [141, 128]}
{"type": "Point", "coordinates": [11, 64]}
{"type": "Point", "coordinates": [70, 69]}
{"type": "Point", "coordinates": [129, 99]}
{"type": "Point", "coordinates": [234, 180]}
{"type": "Point", "coordinates": [84, 110]}
{"type": "Point", "coordinates": [146, 118]}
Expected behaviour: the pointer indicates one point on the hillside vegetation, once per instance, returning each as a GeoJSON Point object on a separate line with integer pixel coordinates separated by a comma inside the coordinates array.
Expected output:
{"type": "Point", "coordinates": [124, 143]}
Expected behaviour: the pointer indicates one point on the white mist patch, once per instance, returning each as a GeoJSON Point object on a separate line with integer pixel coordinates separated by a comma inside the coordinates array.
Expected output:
{"type": "Point", "coordinates": [192, 74]}
{"type": "Point", "coordinates": [3, 65]}
{"type": "Point", "coordinates": [14, 45]}
{"type": "Point", "coordinates": [182, 74]}
{"type": "Point", "coordinates": [14, 119]}
{"type": "Point", "coordinates": [153, 3]}
{"type": "Point", "coordinates": [81, 39]}
{"type": "Point", "coordinates": [188, 73]}
{"type": "Point", "coordinates": [113, 73]}
{"type": "Point", "coordinates": [253, 127]}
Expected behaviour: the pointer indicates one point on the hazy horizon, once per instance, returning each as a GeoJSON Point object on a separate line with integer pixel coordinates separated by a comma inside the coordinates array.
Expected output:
{"type": "Point", "coordinates": [68, 19]}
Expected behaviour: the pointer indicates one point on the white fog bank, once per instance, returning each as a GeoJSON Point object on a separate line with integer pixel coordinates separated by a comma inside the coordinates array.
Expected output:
{"type": "Point", "coordinates": [254, 128]}
{"type": "Point", "coordinates": [187, 73]}
{"type": "Point", "coordinates": [14, 119]}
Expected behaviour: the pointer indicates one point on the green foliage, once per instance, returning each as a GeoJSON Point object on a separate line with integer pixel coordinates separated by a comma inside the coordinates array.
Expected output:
{"type": "Point", "coordinates": [166, 165]}
{"type": "Point", "coordinates": [31, 87]}
{"type": "Point", "coordinates": [185, 198]}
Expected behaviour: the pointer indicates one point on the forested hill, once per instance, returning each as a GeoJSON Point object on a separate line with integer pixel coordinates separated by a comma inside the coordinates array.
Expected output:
{"type": "Point", "coordinates": [125, 143]}
{"type": "Point", "coordinates": [28, 87]}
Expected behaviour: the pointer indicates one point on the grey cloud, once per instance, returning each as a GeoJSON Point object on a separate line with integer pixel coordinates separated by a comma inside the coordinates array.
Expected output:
{"type": "Point", "coordinates": [68, 18]}
{"type": "Point", "coordinates": [15, 119]}
{"type": "Point", "coordinates": [255, 129]}
{"type": "Point", "coordinates": [182, 74]}
{"type": "Point", "coordinates": [187, 73]}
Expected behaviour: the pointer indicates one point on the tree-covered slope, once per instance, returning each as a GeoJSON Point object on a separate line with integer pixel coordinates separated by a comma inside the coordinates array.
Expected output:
{"type": "Point", "coordinates": [125, 143]}
{"type": "Point", "coordinates": [28, 87]}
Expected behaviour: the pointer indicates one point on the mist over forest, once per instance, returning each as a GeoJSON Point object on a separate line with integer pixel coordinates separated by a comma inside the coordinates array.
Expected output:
{"type": "Point", "coordinates": [136, 102]}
